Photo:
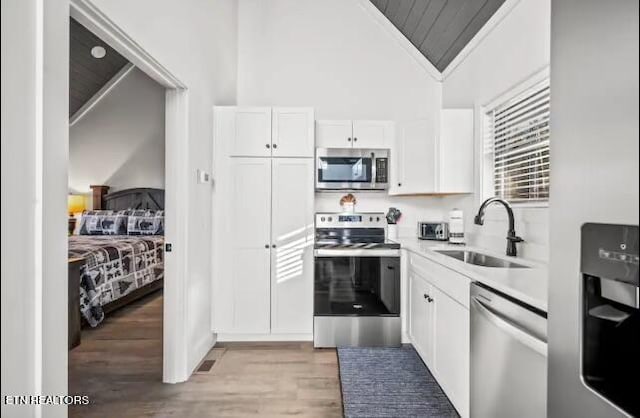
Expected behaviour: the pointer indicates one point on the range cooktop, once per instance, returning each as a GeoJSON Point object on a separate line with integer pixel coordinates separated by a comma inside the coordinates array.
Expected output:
{"type": "Point", "coordinates": [352, 231]}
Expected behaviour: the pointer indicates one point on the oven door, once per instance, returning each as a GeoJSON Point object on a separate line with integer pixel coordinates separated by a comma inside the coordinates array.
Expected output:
{"type": "Point", "coordinates": [344, 169]}
{"type": "Point", "coordinates": [357, 283]}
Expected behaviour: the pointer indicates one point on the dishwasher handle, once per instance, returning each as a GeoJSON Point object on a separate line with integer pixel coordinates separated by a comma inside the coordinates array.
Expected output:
{"type": "Point", "coordinates": [510, 328]}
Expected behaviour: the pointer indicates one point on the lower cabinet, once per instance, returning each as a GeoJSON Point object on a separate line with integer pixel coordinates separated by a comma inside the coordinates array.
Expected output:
{"type": "Point", "coordinates": [421, 317]}
{"type": "Point", "coordinates": [439, 330]}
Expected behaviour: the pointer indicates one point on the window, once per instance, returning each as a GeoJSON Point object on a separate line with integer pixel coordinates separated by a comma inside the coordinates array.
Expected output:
{"type": "Point", "coordinates": [516, 146]}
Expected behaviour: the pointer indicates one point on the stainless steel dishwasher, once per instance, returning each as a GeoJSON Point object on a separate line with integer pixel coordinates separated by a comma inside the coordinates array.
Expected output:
{"type": "Point", "coordinates": [508, 357]}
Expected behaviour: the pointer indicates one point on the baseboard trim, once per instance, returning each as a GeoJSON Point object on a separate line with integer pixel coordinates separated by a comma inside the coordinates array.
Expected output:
{"type": "Point", "coordinates": [200, 352]}
{"type": "Point", "coordinates": [264, 337]}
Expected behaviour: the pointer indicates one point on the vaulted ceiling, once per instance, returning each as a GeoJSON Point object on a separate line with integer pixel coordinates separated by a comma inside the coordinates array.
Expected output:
{"type": "Point", "coordinates": [440, 29]}
{"type": "Point", "coordinates": [88, 74]}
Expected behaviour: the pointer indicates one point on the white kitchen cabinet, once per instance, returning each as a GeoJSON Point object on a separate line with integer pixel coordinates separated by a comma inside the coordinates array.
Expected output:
{"type": "Point", "coordinates": [354, 134]}
{"type": "Point", "coordinates": [262, 234]}
{"type": "Point", "coordinates": [434, 157]}
{"type": "Point", "coordinates": [248, 278]}
{"type": "Point", "coordinates": [421, 317]}
{"type": "Point", "coordinates": [250, 134]}
{"type": "Point", "coordinates": [451, 348]}
{"type": "Point", "coordinates": [334, 134]}
{"type": "Point", "coordinates": [266, 132]}
{"type": "Point", "coordinates": [439, 326]}
{"type": "Point", "coordinates": [413, 159]}
{"type": "Point", "coordinates": [292, 132]}
{"type": "Point", "coordinates": [372, 133]}
{"type": "Point", "coordinates": [292, 257]}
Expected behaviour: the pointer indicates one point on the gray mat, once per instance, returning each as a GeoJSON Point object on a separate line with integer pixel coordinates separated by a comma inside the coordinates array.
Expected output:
{"type": "Point", "coordinates": [389, 382]}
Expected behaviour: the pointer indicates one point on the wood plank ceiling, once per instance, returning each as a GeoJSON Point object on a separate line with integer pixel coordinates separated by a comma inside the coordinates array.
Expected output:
{"type": "Point", "coordinates": [87, 74]}
{"type": "Point", "coordinates": [440, 29]}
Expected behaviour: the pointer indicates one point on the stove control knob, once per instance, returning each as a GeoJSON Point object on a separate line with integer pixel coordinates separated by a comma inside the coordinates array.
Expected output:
{"type": "Point", "coordinates": [322, 219]}
{"type": "Point", "coordinates": [330, 219]}
{"type": "Point", "coordinates": [377, 219]}
{"type": "Point", "coordinates": [370, 218]}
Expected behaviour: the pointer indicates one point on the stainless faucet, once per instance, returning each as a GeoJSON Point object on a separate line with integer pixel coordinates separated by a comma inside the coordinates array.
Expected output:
{"type": "Point", "coordinates": [512, 238]}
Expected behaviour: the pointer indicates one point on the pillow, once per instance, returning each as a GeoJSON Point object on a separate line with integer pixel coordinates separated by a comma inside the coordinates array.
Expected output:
{"type": "Point", "coordinates": [147, 224]}
{"type": "Point", "coordinates": [102, 223]}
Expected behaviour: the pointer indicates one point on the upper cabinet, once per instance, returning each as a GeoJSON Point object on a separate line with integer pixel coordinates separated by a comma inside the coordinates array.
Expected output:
{"type": "Point", "coordinates": [251, 132]}
{"type": "Point", "coordinates": [354, 134]}
{"type": "Point", "coordinates": [292, 133]}
{"type": "Point", "coordinates": [373, 133]}
{"type": "Point", "coordinates": [267, 132]}
{"type": "Point", "coordinates": [430, 158]}
{"type": "Point", "coordinates": [334, 134]}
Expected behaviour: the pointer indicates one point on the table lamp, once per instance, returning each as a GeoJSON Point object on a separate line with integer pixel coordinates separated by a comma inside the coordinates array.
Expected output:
{"type": "Point", "coordinates": [75, 204]}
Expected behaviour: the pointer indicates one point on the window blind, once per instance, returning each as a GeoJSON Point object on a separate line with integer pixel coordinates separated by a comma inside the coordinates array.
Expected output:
{"type": "Point", "coordinates": [517, 136]}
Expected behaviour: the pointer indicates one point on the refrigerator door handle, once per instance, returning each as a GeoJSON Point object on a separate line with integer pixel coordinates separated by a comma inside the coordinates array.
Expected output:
{"type": "Point", "coordinates": [513, 330]}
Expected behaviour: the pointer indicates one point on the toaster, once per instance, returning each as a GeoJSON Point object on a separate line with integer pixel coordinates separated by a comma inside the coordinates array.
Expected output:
{"type": "Point", "coordinates": [437, 231]}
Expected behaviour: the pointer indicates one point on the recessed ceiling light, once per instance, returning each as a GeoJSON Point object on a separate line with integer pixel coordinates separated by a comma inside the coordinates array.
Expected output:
{"type": "Point", "coordinates": [98, 52]}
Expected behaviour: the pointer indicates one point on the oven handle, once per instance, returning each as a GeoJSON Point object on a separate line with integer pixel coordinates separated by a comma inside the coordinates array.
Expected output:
{"type": "Point", "coordinates": [356, 252]}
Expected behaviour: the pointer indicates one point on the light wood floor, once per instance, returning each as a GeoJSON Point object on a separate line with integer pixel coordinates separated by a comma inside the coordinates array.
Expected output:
{"type": "Point", "coordinates": [119, 365]}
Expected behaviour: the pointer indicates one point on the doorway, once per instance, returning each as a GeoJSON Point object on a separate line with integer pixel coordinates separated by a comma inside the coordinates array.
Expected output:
{"type": "Point", "coordinates": [174, 364]}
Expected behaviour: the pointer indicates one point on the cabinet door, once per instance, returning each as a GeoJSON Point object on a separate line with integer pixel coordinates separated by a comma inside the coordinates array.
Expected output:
{"type": "Point", "coordinates": [421, 317]}
{"type": "Point", "coordinates": [292, 235]}
{"type": "Point", "coordinates": [372, 133]}
{"type": "Point", "coordinates": [249, 240]}
{"type": "Point", "coordinates": [414, 159]}
{"type": "Point", "coordinates": [455, 145]}
{"type": "Point", "coordinates": [334, 134]}
{"type": "Point", "coordinates": [251, 132]}
{"type": "Point", "coordinates": [293, 132]}
{"type": "Point", "coordinates": [451, 349]}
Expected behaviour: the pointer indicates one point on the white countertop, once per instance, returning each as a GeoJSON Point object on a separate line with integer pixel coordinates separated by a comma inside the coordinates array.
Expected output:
{"type": "Point", "coordinates": [528, 285]}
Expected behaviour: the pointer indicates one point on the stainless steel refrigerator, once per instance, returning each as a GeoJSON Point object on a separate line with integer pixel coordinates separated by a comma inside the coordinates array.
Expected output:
{"type": "Point", "coordinates": [593, 208]}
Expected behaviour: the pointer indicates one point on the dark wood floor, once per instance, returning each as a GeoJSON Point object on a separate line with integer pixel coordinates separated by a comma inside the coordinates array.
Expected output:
{"type": "Point", "coordinates": [119, 366]}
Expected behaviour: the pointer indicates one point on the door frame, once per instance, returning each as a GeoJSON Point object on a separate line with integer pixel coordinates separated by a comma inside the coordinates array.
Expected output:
{"type": "Point", "coordinates": [175, 365]}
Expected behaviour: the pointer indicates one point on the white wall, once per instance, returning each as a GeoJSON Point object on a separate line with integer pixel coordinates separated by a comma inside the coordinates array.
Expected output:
{"type": "Point", "coordinates": [35, 47]}
{"type": "Point", "coordinates": [511, 52]}
{"type": "Point", "coordinates": [18, 185]}
{"type": "Point", "coordinates": [35, 42]}
{"type": "Point", "coordinates": [594, 154]}
{"type": "Point", "coordinates": [514, 50]}
{"type": "Point", "coordinates": [120, 141]}
{"type": "Point", "coordinates": [197, 41]}
{"type": "Point", "coordinates": [332, 55]}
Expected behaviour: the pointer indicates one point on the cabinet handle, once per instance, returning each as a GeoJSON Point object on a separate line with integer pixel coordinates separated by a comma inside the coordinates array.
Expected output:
{"type": "Point", "coordinates": [266, 246]}
{"type": "Point", "coordinates": [273, 246]}
{"type": "Point", "coordinates": [268, 146]}
{"type": "Point", "coordinates": [275, 146]}
{"type": "Point", "coordinates": [399, 184]}
{"type": "Point", "coordinates": [355, 139]}
{"type": "Point", "coordinates": [349, 139]}
{"type": "Point", "coordinates": [429, 299]}
{"type": "Point", "coordinates": [425, 296]}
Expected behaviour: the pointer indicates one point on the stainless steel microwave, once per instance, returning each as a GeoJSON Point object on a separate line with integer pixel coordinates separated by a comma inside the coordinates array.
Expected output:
{"type": "Point", "coordinates": [352, 169]}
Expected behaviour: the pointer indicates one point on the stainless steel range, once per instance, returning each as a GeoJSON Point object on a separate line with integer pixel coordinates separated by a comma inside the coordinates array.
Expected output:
{"type": "Point", "coordinates": [357, 282]}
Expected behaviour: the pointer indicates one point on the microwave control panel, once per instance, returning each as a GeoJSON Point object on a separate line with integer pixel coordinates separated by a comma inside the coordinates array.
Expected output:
{"type": "Point", "coordinates": [382, 168]}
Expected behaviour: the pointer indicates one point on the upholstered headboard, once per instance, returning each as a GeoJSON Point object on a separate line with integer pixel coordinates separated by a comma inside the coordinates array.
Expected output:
{"type": "Point", "coordinates": [138, 198]}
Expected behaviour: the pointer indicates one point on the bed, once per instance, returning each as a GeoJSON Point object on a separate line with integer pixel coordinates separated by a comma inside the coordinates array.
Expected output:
{"type": "Point", "coordinates": [118, 269]}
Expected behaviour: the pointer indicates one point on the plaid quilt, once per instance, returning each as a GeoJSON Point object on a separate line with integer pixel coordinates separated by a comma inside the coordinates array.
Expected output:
{"type": "Point", "coordinates": [114, 267]}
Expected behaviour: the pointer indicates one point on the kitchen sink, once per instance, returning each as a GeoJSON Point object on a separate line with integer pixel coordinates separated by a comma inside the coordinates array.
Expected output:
{"type": "Point", "coordinates": [479, 259]}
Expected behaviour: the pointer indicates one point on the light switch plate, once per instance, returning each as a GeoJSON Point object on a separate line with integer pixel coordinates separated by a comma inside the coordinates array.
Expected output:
{"type": "Point", "coordinates": [203, 177]}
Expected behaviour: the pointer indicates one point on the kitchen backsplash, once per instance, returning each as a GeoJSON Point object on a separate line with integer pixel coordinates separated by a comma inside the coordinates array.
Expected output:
{"type": "Point", "coordinates": [531, 223]}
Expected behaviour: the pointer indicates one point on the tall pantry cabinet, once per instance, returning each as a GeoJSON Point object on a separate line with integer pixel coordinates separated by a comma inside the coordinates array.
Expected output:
{"type": "Point", "coordinates": [263, 223]}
